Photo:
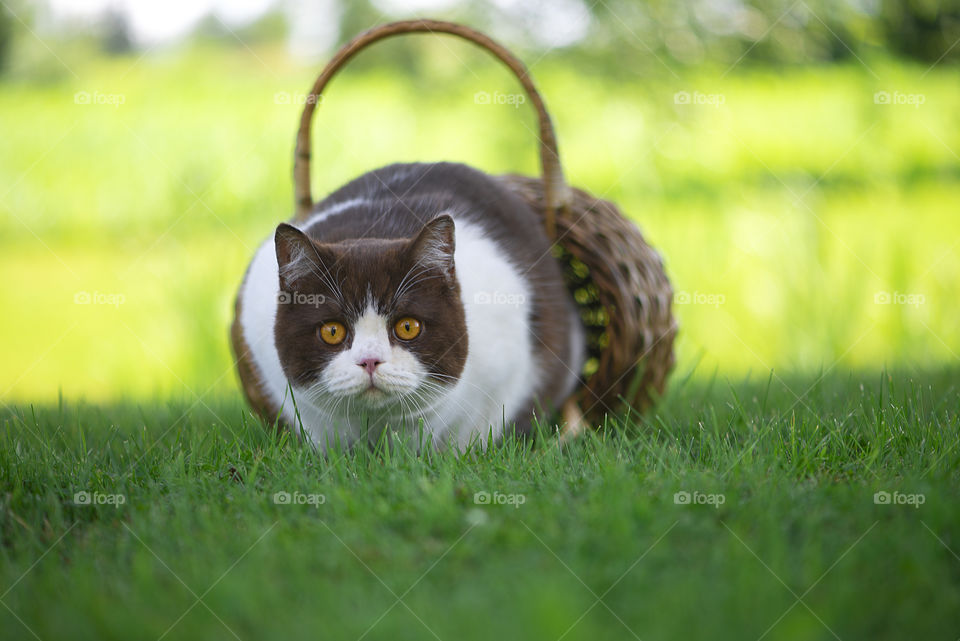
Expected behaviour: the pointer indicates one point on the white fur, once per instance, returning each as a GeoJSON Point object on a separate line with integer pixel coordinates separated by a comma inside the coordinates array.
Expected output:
{"type": "Point", "coordinates": [499, 377]}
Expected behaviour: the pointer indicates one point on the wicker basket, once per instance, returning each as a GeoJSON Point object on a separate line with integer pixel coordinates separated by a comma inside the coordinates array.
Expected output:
{"type": "Point", "coordinates": [615, 277]}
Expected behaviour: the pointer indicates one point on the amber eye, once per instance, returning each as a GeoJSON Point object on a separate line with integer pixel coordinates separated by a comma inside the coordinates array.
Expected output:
{"type": "Point", "coordinates": [407, 328]}
{"type": "Point", "coordinates": [332, 333]}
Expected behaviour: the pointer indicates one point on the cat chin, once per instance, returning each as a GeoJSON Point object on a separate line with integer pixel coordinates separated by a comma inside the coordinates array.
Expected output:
{"type": "Point", "coordinates": [387, 400]}
{"type": "Point", "coordinates": [375, 398]}
{"type": "Point", "coordinates": [362, 396]}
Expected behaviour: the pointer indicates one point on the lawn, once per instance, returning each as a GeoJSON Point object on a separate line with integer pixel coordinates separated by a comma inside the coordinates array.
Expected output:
{"type": "Point", "coordinates": [744, 510]}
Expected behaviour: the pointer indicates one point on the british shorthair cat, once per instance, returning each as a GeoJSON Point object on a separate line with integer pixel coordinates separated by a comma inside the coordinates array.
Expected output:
{"type": "Point", "coordinates": [416, 295]}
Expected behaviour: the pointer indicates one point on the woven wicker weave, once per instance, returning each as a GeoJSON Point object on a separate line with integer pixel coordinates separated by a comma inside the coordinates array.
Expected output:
{"type": "Point", "coordinates": [624, 297]}
{"type": "Point", "coordinates": [617, 279]}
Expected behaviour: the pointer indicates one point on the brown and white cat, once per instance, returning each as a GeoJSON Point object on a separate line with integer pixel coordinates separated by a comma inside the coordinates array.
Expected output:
{"type": "Point", "coordinates": [417, 294]}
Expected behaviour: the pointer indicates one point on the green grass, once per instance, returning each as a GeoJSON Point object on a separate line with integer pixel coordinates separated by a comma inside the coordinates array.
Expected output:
{"type": "Point", "coordinates": [400, 550]}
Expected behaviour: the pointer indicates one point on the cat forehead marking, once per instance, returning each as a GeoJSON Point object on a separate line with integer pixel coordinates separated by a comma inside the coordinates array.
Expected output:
{"type": "Point", "coordinates": [371, 323]}
{"type": "Point", "coordinates": [370, 338]}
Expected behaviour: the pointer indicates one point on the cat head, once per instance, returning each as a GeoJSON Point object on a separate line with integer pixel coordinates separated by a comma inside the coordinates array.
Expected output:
{"type": "Point", "coordinates": [378, 322]}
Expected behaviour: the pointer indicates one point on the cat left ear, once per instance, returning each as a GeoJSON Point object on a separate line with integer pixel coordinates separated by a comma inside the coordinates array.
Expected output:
{"type": "Point", "coordinates": [296, 255]}
{"type": "Point", "coordinates": [435, 244]}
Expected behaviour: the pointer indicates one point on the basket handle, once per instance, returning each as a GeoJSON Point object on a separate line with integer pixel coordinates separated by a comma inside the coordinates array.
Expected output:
{"type": "Point", "coordinates": [556, 194]}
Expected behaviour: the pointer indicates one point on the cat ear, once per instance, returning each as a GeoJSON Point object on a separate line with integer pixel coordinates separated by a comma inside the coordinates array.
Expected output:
{"type": "Point", "coordinates": [296, 255]}
{"type": "Point", "coordinates": [435, 244]}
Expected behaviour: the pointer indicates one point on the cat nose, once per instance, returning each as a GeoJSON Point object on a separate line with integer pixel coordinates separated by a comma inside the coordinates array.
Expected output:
{"type": "Point", "coordinates": [369, 364]}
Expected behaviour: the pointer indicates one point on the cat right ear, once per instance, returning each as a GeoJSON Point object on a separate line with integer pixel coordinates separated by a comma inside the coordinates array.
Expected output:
{"type": "Point", "coordinates": [296, 255]}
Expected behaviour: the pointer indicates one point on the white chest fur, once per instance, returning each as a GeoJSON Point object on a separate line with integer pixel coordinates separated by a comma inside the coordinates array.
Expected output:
{"type": "Point", "coordinates": [497, 381]}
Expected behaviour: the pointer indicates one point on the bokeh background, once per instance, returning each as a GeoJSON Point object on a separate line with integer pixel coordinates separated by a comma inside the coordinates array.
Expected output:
{"type": "Point", "coordinates": [796, 163]}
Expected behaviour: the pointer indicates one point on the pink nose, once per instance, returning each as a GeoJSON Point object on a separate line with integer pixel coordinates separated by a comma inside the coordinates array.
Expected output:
{"type": "Point", "coordinates": [369, 364]}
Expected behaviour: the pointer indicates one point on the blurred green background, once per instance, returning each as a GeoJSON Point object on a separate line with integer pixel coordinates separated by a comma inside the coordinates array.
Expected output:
{"type": "Point", "coordinates": [795, 163]}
